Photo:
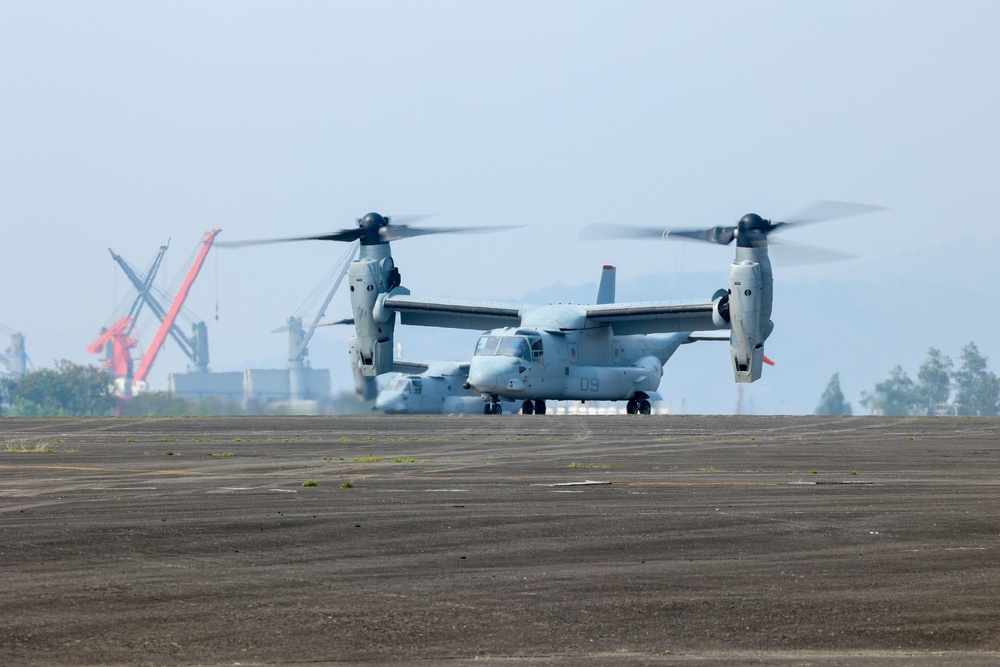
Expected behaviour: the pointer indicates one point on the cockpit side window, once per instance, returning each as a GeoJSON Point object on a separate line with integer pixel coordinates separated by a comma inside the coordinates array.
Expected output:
{"type": "Point", "coordinates": [536, 350]}
{"type": "Point", "coordinates": [402, 385]}
{"type": "Point", "coordinates": [417, 384]}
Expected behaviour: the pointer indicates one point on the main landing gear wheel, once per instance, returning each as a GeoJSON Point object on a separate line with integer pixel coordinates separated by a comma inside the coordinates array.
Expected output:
{"type": "Point", "coordinates": [638, 406]}
{"type": "Point", "coordinates": [492, 409]}
{"type": "Point", "coordinates": [528, 407]}
{"type": "Point", "coordinates": [539, 407]}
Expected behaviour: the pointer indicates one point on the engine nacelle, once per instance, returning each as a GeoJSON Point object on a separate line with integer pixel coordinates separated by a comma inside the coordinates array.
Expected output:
{"type": "Point", "coordinates": [368, 278]}
{"type": "Point", "coordinates": [748, 322]}
{"type": "Point", "coordinates": [720, 309]}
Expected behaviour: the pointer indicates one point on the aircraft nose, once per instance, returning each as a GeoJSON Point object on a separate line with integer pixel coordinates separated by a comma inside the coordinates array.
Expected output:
{"type": "Point", "coordinates": [482, 377]}
{"type": "Point", "coordinates": [389, 402]}
{"type": "Point", "coordinates": [492, 374]}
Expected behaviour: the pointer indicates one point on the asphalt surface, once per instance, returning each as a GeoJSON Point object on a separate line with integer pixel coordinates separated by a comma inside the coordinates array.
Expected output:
{"type": "Point", "coordinates": [556, 540]}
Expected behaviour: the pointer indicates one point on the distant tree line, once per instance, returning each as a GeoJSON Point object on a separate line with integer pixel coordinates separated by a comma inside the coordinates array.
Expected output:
{"type": "Point", "coordinates": [71, 390]}
{"type": "Point", "coordinates": [940, 388]}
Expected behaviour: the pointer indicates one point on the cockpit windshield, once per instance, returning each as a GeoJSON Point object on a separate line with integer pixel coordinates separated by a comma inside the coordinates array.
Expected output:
{"type": "Point", "coordinates": [522, 347]}
{"type": "Point", "coordinates": [406, 385]}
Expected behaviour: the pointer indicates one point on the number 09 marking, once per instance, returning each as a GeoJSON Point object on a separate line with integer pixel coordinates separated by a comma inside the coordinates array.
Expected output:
{"type": "Point", "coordinates": [589, 384]}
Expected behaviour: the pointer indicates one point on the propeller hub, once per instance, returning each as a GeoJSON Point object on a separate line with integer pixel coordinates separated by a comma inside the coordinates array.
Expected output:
{"type": "Point", "coordinates": [751, 232]}
{"type": "Point", "coordinates": [369, 226]}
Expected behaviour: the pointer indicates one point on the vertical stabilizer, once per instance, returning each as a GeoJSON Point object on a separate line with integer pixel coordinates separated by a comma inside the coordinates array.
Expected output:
{"type": "Point", "coordinates": [606, 290]}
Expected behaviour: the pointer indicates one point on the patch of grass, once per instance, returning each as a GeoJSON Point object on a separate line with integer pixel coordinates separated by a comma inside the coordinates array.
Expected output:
{"type": "Point", "coordinates": [854, 472]}
{"type": "Point", "coordinates": [813, 472]}
{"type": "Point", "coordinates": [604, 466]}
{"type": "Point", "coordinates": [368, 459]}
{"type": "Point", "coordinates": [75, 450]}
{"type": "Point", "coordinates": [400, 459]}
{"type": "Point", "coordinates": [344, 438]}
{"type": "Point", "coordinates": [23, 445]}
{"type": "Point", "coordinates": [172, 454]}
{"type": "Point", "coordinates": [705, 469]}
{"type": "Point", "coordinates": [347, 485]}
{"type": "Point", "coordinates": [310, 482]}
{"type": "Point", "coordinates": [575, 464]}
{"type": "Point", "coordinates": [222, 454]}
{"type": "Point", "coordinates": [168, 440]}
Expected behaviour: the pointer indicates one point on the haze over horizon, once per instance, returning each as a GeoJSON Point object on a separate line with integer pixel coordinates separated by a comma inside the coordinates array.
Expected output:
{"type": "Point", "coordinates": [127, 124]}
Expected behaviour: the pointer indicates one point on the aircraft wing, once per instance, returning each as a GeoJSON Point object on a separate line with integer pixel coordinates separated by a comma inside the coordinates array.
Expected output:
{"type": "Point", "coordinates": [455, 313]}
{"type": "Point", "coordinates": [432, 368]}
{"type": "Point", "coordinates": [643, 317]}
{"type": "Point", "coordinates": [409, 367]}
{"type": "Point", "coordinates": [717, 335]}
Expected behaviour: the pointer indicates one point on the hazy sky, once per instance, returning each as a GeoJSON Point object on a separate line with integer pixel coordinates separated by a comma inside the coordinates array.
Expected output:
{"type": "Point", "coordinates": [123, 124]}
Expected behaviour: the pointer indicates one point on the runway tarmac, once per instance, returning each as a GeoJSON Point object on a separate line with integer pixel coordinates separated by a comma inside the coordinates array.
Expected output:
{"type": "Point", "coordinates": [552, 540]}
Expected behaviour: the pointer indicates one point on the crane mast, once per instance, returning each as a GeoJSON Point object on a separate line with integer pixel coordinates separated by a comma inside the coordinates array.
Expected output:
{"type": "Point", "coordinates": [170, 318]}
{"type": "Point", "coordinates": [195, 347]}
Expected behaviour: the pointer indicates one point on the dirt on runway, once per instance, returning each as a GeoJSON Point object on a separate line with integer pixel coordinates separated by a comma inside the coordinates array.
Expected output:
{"type": "Point", "coordinates": [515, 539]}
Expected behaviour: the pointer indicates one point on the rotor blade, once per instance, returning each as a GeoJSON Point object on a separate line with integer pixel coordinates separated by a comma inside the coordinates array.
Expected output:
{"type": "Point", "coordinates": [396, 232]}
{"type": "Point", "coordinates": [603, 232]}
{"type": "Point", "coordinates": [349, 320]}
{"type": "Point", "coordinates": [822, 211]}
{"type": "Point", "coordinates": [346, 235]}
{"type": "Point", "coordinates": [720, 235]}
{"type": "Point", "coordinates": [798, 254]}
{"type": "Point", "coordinates": [409, 218]}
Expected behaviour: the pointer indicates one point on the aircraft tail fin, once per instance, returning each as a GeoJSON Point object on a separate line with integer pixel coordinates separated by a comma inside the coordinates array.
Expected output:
{"type": "Point", "coordinates": [606, 290]}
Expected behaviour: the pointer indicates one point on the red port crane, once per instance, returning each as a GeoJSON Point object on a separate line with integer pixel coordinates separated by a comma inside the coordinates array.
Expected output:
{"type": "Point", "coordinates": [139, 382]}
{"type": "Point", "coordinates": [120, 360]}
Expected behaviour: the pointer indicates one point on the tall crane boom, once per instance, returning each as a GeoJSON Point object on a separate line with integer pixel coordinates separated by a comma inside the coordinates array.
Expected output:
{"type": "Point", "coordinates": [196, 353]}
{"type": "Point", "coordinates": [175, 309]}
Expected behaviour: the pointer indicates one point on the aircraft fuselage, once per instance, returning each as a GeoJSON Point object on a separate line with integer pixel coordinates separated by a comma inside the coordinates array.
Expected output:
{"type": "Point", "coordinates": [587, 364]}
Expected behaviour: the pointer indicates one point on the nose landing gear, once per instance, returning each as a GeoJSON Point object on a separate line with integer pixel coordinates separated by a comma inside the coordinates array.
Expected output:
{"type": "Point", "coordinates": [492, 406]}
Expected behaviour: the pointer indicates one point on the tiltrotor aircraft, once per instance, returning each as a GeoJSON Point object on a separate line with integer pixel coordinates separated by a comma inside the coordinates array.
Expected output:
{"type": "Point", "coordinates": [579, 352]}
{"type": "Point", "coordinates": [429, 388]}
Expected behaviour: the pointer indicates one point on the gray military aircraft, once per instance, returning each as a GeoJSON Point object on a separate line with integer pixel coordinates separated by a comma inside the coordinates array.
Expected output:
{"type": "Point", "coordinates": [571, 351]}
{"type": "Point", "coordinates": [428, 388]}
